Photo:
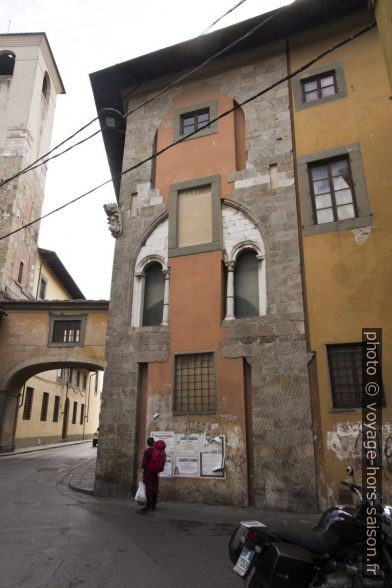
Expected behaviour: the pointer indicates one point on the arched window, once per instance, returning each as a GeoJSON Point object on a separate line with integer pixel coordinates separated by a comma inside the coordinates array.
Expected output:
{"type": "Point", "coordinates": [7, 63]}
{"type": "Point", "coordinates": [154, 289]}
{"type": "Point", "coordinates": [246, 285]}
{"type": "Point", "coordinates": [46, 86]}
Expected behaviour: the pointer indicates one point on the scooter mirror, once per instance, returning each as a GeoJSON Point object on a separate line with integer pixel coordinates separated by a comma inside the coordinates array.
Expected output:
{"type": "Point", "coordinates": [350, 470]}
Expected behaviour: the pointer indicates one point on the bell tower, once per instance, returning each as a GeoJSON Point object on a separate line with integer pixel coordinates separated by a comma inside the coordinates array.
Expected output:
{"type": "Point", "coordinates": [29, 85]}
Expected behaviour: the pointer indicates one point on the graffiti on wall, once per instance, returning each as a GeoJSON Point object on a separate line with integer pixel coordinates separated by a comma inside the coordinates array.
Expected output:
{"type": "Point", "coordinates": [345, 442]}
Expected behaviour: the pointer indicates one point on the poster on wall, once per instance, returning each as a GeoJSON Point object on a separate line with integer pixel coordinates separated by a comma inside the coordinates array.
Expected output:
{"type": "Point", "coordinates": [187, 466]}
{"type": "Point", "coordinates": [192, 455]}
{"type": "Point", "coordinates": [168, 471]}
{"type": "Point", "coordinates": [212, 458]}
{"type": "Point", "coordinates": [166, 436]}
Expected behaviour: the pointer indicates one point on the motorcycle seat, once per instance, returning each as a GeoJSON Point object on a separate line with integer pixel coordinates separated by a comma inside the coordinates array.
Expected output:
{"type": "Point", "coordinates": [316, 540]}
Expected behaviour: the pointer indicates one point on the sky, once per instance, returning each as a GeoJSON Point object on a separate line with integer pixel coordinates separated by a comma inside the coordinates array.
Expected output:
{"type": "Point", "coordinates": [86, 36]}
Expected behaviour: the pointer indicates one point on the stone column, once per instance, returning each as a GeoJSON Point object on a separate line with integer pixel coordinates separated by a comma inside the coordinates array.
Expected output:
{"type": "Point", "coordinates": [165, 316]}
{"type": "Point", "coordinates": [138, 295]}
{"type": "Point", "coordinates": [230, 266]}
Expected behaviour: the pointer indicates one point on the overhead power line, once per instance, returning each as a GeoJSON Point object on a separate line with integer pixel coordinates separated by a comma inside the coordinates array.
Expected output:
{"type": "Point", "coordinates": [223, 16]}
{"type": "Point", "coordinates": [224, 114]}
{"type": "Point", "coordinates": [45, 158]}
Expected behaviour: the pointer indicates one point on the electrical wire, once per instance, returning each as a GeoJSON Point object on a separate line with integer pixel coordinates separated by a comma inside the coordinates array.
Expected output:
{"type": "Point", "coordinates": [183, 77]}
{"type": "Point", "coordinates": [223, 16]}
{"type": "Point", "coordinates": [226, 113]}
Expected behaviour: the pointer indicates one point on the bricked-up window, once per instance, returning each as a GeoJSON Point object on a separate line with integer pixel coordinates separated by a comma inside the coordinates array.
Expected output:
{"type": "Point", "coordinates": [74, 412]}
{"type": "Point", "coordinates": [319, 86]}
{"type": "Point", "coordinates": [56, 409]}
{"type": "Point", "coordinates": [66, 331]}
{"type": "Point", "coordinates": [28, 404]}
{"type": "Point", "coordinates": [81, 413]}
{"type": "Point", "coordinates": [44, 406]}
{"type": "Point", "coordinates": [194, 391]}
{"type": "Point", "coordinates": [194, 121]}
{"type": "Point", "coordinates": [345, 368]}
{"type": "Point", "coordinates": [332, 190]}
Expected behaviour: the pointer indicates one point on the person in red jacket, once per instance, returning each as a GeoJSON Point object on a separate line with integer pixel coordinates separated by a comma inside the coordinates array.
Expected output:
{"type": "Point", "coordinates": [154, 458]}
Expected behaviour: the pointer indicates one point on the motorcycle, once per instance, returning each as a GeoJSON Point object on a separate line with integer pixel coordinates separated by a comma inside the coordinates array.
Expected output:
{"type": "Point", "coordinates": [330, 555]}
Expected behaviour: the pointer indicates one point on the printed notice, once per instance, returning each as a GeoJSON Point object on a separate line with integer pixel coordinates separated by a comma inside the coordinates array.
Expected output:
{"type": "Point", "coordinates": [187, 443]}
{"type": "Point", "coordinates": [212, 458]}
{"type": "Point", "coordinates": [168, 471]}
{"type": "Point", "coordinates": [186, 466]}
{"type": "Point", "coordinates": [167, 437]}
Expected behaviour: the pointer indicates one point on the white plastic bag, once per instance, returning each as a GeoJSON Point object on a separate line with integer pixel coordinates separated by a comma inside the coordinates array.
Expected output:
{"type": "Point", "coordinates": [140, 496]}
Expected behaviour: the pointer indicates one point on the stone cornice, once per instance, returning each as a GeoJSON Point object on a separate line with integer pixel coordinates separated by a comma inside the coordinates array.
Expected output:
{"type": "Point", "coordinates": [58, 305]}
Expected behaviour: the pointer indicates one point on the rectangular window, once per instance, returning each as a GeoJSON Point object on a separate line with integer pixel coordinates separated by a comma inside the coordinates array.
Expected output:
{"type": "Point", "coordinates": [59, 374]}
{"type": "Point", "coordinates": [20, 272]}
{"type": "Point", "coordinates": [42, 289]}
{"type": "Point", "coordinates": [74, 412]}
{"type": "Point", "coordinates": [194, 121]}
{"type": "Point", "coordinates": [66, 331]}
{"type": "Point", "coordinates": [194, 216]}
{"type": "Point", "coordinates": [44, 406]}
{"type": "Point", "coordinates": [319, 86]}
{"type": "Point", "coordinates": [194, 385]}
{"type": "Point", "coordinates": [81, 413]}
{"type": "Point", "coordinates": [345, 369]}
{"type": "Point", "coordinates": [84, 381]}
{"type": "Point", "coordinates": [332, 190]}
{"type": "Point", "coordinates": [56, 409]}
{"type": "Point", "coordinates": [78, 378]}
{"type": "Point", "coordinates": [70, 375]}
{"type": "Point", "coordinates": [28, 404]}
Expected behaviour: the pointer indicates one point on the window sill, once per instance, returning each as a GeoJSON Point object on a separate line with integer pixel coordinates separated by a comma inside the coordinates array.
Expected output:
{"type": "Point", "coordinates": [349, 223]}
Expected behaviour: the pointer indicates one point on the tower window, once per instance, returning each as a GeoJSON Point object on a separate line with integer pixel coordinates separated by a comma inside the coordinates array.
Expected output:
{"type": "Point", "coordinates": [46, 86]}
{"type": "Point", "coordinates": [20, 272]}
{"type": "Point", "coordinates": [7, 63]}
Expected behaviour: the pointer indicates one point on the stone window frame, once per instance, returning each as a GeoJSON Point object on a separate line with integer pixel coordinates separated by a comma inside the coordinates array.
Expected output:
{"type": "Point", "coordinates": [67, 317]}
{"type": "Point", "coordinates": [230, 265]}
{"type": "Point", "coordinates": [211, 129]}
{"type": "Point", "coordinates": [211, 352]}
{"type": "Point", "coordinates": [364, 217]}
{"type": "Point", "coordinates": [138, 291]}
{"type": "Point", "coordinates": [216, 216]}
{"type": "Point", "coordinates": [298, 81]}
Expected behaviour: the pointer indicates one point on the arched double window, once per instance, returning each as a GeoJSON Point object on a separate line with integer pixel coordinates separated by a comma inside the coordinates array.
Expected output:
{"type": "Point", "coordinates": [7, 63]}
{"type": "Point", "coordinates": [154, 291]}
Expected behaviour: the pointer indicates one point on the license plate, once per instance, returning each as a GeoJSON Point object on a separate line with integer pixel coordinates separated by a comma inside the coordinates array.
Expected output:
{"type": "Point", "coordinates": [244, 561]}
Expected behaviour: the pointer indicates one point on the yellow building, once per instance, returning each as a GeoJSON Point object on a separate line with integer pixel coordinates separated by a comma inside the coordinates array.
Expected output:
{"type": "Point", "coordinates": [342, 129]}
{"type": "Point", "coordinates": [61, 404]}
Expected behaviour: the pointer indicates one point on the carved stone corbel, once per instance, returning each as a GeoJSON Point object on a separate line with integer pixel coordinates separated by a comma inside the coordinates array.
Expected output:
{"type": "Point", "coordinates": [114, 218]}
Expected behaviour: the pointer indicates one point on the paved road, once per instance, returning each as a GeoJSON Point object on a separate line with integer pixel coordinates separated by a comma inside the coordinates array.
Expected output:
{"type": "Point", "coordinates": [53, 537]}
